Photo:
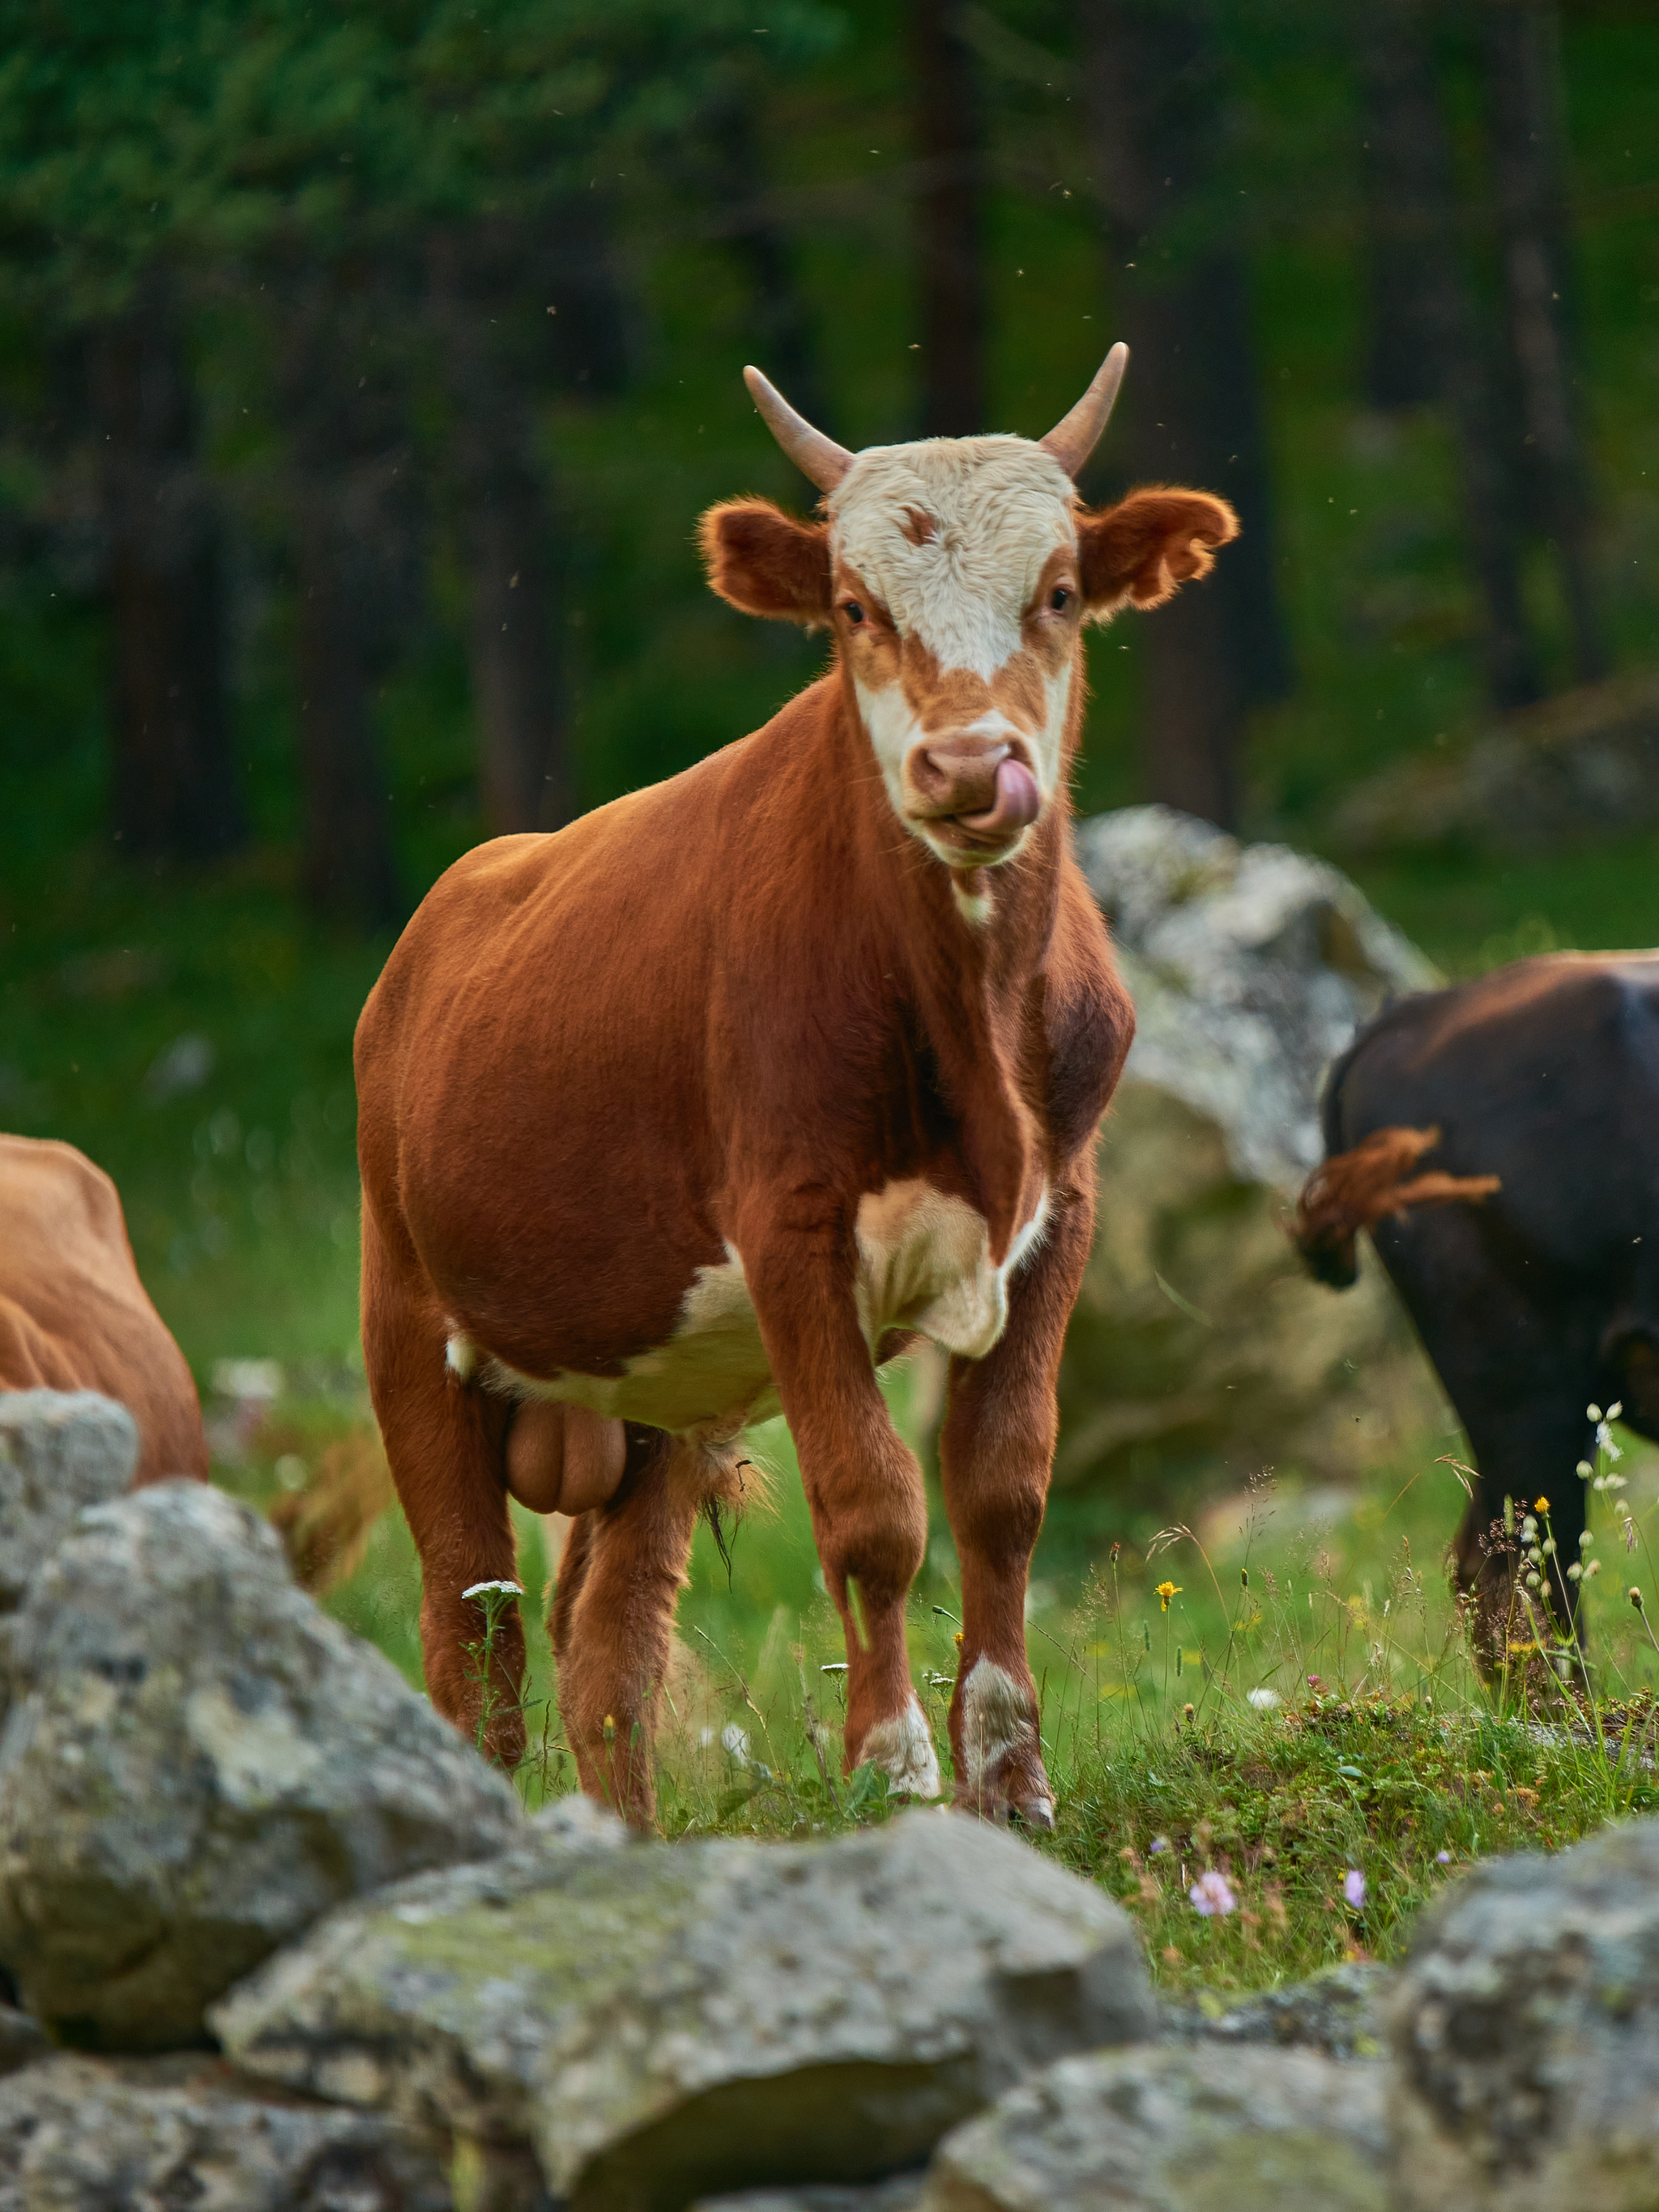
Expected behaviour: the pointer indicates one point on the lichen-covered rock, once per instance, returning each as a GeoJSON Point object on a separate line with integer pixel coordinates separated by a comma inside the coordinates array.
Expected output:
{"type": "Point", "coordinates": [198, 1763]}
{"type": "Point", "coordinates": [1198, 1339]}
{"type": "Point", "coordinates": [1250, 966]}
{"type": "Point", "coordinates": [99, 2135]}
{"type": "Point", "coordinates": [901, 2194]}
{"type": "Point", "coordinates": [59, 1451]}
{"type": "Point", "coordinates": [1174, 2129]}
{"type": "Point", "coordinates": [662, 2020]}
{"type": "Point", "coordinates": [1339, 2012]}
{"type": "Point", "coordinates": [23, 2039]}
{"type": "Point", "coordinates": [1526, 2035]}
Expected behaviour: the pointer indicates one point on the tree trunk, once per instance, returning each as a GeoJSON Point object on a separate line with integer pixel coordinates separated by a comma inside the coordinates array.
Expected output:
{"type": "Point", "coordinates": [782, 343]}
{"type": "Point", "coordinates": [175, 794]}
{"type": "Point", "coordinates": [1519, 38]}
{"type": "Point", "coordinates": [1426, 337]}
{"type": "Point", "coordinates": [1411, 245]}
{"type": "Point", "coordinates": [352, 554]}
{"type": "Point", "coordinates": [506, 531]}
{"type": "Point", "coordinates": [1192, 412]}
{"type": "Point", "coordinates": [950, 221]}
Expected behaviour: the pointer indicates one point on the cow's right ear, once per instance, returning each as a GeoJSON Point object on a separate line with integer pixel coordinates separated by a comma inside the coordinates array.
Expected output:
{"type": "Point", "coordinates": [767, 563]}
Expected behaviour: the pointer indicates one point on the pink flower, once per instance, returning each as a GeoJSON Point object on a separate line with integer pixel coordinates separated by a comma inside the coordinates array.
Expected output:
{"type": "Point", "coordinates": [1212, 1894]}
{"type": "Point", "coordinates": [1353, 1887]}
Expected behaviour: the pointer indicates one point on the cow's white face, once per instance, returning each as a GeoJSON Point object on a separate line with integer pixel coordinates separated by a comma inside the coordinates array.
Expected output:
{"type": "Point", "coordinates": [957, 599]}
{"type": "Point", "coordinates": [955, 574]}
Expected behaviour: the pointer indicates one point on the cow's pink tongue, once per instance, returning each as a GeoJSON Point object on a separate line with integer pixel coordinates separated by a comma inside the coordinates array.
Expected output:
{"type": "Point", "coordinates": [1018, 803]}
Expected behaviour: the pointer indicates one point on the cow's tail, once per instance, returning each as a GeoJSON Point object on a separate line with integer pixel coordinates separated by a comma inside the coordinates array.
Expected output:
{"type": "Point", "coordinates": [1356, 1189]}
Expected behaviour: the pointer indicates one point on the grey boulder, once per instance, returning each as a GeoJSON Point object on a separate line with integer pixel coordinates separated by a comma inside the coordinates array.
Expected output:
{"type": "Point", "coordinates": [1338, 2011]}
{"type": "Point", "coordinates": [666, 2021]}
{"type": "Point", "coordinates": [1526, 2035]}
{"type": "Point", "coordinates": [198, 1764]}
{"type": "Point", "coordinates": [59, 1451]}
{"type": "Point", "coordinates": [1174, 2129]}
{"type": "Point", "coordinates": [99, 2134]}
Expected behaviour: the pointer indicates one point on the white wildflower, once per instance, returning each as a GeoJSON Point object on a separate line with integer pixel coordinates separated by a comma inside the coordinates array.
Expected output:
{"type": "Point", "coordinates": [1263, 1699]}
{"type": "Point", "coordinates": [1604, 1441]}
{"type": "Point", "coordinates": [1212, 1894]}
{"type": "Point", "coordinates": [734, 1742]}
{"type": "Point", "coordinates": [479, 1589]}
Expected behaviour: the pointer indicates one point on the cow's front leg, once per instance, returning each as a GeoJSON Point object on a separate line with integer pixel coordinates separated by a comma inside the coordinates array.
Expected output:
{"type": "Point", "coordinates": [995, 1451]}
{"type": "Point", "coordinates": [864, 1490]}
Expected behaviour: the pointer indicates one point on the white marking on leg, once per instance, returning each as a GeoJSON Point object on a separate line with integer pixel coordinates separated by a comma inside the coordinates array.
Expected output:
{"type": "Point", "coordinates": [903, 1748]}
{"type": "Point", "coordinates": [996, 1722]}
{"type": "Point", "coordinates": [460, 1355]}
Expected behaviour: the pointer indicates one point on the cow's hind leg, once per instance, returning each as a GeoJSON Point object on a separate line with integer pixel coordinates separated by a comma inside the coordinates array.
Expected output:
{"type": "Point", "coordinates": [612, 1622]}
{"type": "Point", "coordinates": [446, 1443]}
{"type": "Point", "coordinates": [1520, 1371]}
{"type": "Point", "coordinates": [995, 1451]}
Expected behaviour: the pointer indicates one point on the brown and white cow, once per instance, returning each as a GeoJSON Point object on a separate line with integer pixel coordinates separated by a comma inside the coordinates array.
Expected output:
{"type": "Point", "coordinates": [706, 1105]}
{"type": "Point", "coordinates": [74, 1314]}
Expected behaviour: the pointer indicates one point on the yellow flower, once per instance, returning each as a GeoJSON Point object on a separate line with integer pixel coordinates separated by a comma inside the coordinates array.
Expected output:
{"type": "Point", "coordinates": [1540, 1505]}
{"type": "Point", "coordinates": [957, 1639]}
{"type": "Point", "coordinates": [1166, 1591]}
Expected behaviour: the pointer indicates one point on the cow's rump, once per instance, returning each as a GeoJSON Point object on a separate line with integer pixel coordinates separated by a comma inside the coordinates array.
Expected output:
{"type": "Point", "coordinates": [74, 1314]}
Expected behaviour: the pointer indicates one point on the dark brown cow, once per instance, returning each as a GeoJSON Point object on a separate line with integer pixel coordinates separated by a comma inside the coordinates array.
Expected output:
{"type": "Point", "coordinates": [704, 1106]}
{"type": "Point", "coordinates": [73, 1313]}
{"type": "Point", "coordinates": [1497, 1141]}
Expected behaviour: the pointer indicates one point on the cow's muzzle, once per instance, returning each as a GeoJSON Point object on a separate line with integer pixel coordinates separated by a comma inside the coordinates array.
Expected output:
{"type": "Point", "coordinates": [974, 796]}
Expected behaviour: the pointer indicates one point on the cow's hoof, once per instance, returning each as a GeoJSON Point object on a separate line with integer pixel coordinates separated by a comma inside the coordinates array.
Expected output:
{"type": "Point", "coordinates": [903, 1748]}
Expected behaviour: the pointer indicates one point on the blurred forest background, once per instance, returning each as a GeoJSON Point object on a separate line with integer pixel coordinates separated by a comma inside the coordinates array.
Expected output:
{"type": "Point", "coordinates": [364, 369]}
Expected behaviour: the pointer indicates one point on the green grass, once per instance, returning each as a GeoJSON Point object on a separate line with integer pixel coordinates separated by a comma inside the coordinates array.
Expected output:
{"type": "Point", "coordinates": [1384, 1756]}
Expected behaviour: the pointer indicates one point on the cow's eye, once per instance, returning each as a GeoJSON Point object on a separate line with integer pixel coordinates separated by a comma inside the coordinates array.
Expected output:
{"type": "Point", "coordinates": [1060, 599]}
{"type": "Point", "coordinates": [853, 612]}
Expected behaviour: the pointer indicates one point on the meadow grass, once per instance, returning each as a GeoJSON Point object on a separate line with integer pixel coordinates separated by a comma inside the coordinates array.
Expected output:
{"type": "Point", "coordinates": [1278, 1693]}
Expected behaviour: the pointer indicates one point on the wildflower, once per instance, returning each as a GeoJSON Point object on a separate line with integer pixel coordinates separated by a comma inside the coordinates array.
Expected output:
{"type": "Point", "coordinates": [1313, 1681]}
{"type": "Point", "coordinates": [957, 1639]}
{"type": "Point", "coordinates": [1604, 1441]}
{"type": "Point", "coordinates": [1158, 1844]}
{"type": "Point", "coordinates": [1443, 1858]}
{"type": "Point", "coordinates": [1540, 1505]}
{"type": "Point", "coordinates": [1593, 1568]}
{"type": "Point", "coordinates": [1187, 1715]}
{"type": "Point", "coordinates": [479, 1589]}
{"type": "Point", "coordinates": [735, 1742]}
{"type": "Point", "coordinates": [1594, 1412]}
{"type": "Point", "coordinates": [1353, 1887]}
{"type": "Point", "coordinates": [1586, 1539]}
{"type": "Point", "coordinates": [1532, 1578]}
{"type": "Point", "coordinates": [610, 1726]}
{"type": "Point", "coordinates": [1585, 1469]}
{"type": "Point", "coordinates": [1636, 1597]}
{"type": "Point", "coordinates": [1212, 1894]}
{"type": "Point", "coordinates": [1630, 1534]}
{"type": "Point", "coordinates": [1616, 1409]}
{"type": "Point", "coordinates": [1165, 1592]}
{"type": "Point", "coordinates": [1547, 1548]}
{"type": "Point", "coordinates": [1574, 1571]}
{"type": "Point", "coordinates": [1263, 1699]}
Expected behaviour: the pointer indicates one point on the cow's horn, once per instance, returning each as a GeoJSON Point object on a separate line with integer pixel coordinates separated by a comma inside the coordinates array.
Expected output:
{"type": "Point", "coordinates": [817, 457]}
{"type": "Point", "coordinates": [1073, 441]}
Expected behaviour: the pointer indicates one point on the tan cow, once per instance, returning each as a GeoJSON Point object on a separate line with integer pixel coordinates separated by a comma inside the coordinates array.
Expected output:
{"type": "Point", "coordinates": [73, 1313]}
{"type": "Point", "coordinates": [705, 1106]}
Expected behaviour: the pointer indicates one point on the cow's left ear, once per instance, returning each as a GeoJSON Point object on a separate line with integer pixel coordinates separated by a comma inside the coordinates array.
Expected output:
{"type": "Point", "coordinates": [766, 561]}
{"type": "Point", "coordinates": [1140, 552]}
